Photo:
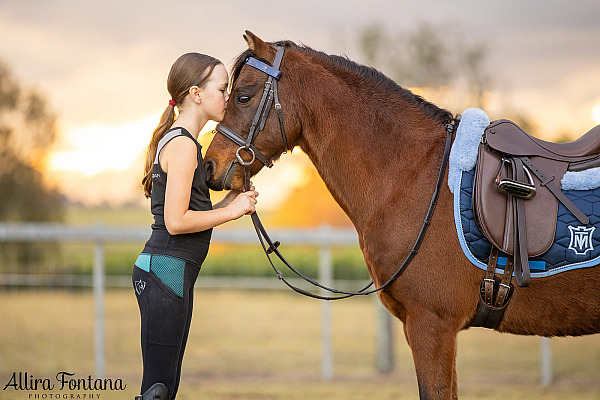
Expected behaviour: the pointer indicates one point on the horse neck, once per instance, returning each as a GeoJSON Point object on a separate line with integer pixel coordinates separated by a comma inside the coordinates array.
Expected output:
{"type": "Point", "coordinates": [371, 151]}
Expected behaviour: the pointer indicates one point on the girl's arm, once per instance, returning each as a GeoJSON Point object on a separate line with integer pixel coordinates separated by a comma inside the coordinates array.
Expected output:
{"type": "Point", "coordinates": [179, 158]}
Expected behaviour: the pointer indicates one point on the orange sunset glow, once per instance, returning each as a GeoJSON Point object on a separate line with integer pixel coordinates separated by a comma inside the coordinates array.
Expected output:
{"type": "Point", "coordinates": [104, 77]}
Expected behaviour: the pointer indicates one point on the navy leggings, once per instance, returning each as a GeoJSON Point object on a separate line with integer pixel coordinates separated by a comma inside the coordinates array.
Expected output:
{"type": "Point", "coordinates": [164, 287]}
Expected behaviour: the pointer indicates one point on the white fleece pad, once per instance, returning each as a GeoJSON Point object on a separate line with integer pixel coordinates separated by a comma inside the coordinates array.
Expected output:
{"type": "Point", "coordinates": [463, 155]}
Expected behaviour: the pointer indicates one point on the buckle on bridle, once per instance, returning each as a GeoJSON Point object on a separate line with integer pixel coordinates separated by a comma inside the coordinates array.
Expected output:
{"type": "Point", "coordinates": [241, 160]}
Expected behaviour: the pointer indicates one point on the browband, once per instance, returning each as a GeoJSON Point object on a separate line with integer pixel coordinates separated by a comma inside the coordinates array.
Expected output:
{"type": "Point", "coordinates": [261, 66]}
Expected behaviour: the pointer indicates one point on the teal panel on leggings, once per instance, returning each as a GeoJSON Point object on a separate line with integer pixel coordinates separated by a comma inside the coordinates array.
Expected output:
{"type": "Point", "coordinates": [170, 270]}
{"type": "Point", "coordinates": [143, 262]}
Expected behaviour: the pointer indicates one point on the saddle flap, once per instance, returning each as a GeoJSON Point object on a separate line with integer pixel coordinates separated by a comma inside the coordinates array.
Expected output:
{"type": "Point", "coordinates": [493, 210]}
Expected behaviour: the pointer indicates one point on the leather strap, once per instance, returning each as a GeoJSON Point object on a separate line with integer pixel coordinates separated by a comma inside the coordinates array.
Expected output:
{"type": "Point", "coordinates": [488, 281]}
{"type": "Point", "coordinates": [490, 312]}
{"type": "Point", "coordinates": [504, 287]}
{"type": "Point", "coordinates": [280, 117]}
{"type": "Point", "coordinates": [266, 68]}
{"type": "Point", "coordinates": [264, 237]}
{"type": "Point", "coordinates": [519, 227]}
{"type": "Point", "coordinates": [548, 182]}
{"type": "Point", "coordinates": [262, 112]}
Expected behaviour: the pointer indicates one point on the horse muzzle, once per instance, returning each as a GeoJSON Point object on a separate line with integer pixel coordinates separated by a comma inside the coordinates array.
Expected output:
{"type": "Point", "coordinates": [230, 178]}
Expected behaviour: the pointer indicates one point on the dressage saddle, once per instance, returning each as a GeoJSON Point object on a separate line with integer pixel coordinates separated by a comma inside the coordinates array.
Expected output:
{"type": "Point", "coordinates": [516, 195]}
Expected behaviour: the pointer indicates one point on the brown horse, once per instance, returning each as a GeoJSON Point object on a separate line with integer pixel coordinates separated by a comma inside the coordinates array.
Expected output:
{"type": "Point", "coordinates": [378, 147]}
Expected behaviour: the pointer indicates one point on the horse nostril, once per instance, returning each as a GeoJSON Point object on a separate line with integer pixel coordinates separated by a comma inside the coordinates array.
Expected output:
{"type": "Point", "coordinates": [209, 167]}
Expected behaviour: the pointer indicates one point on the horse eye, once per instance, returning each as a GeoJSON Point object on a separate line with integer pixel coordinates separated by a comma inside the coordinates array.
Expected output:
{"type": "Point", "coordinates": [243, 99]}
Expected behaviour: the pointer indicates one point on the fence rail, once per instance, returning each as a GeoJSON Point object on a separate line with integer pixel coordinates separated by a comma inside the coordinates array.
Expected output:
{"type": "Point", "coordinates": [324, 238]}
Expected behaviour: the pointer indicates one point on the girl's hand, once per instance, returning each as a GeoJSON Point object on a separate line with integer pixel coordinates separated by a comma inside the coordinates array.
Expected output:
{"type": "Point", "coordinates": [230, 197]}
{"type": "Point", "coordinates": [243, 204]}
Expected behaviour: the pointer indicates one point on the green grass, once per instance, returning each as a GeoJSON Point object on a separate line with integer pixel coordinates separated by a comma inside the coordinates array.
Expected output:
{"type": "Point", "coordinates": [253, 345]}
{"type": "Point", "coordinates": [223, 260]}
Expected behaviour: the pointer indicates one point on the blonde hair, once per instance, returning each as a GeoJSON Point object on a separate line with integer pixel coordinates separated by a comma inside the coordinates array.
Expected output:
{"type": "Point", "coordinates": [191, 69]}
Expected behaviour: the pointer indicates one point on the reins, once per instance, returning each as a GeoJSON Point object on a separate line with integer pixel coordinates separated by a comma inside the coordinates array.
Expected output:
{"type": "Point", "coordinates": [270, 94]}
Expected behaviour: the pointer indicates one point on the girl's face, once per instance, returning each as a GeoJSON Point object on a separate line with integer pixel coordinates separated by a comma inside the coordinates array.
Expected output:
{"type": "Point", "coordinates": [214, 93]}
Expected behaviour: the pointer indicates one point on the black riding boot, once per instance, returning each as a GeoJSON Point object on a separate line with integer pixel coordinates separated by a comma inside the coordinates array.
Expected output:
{"type": "Point", "coordinates": [158, 391]}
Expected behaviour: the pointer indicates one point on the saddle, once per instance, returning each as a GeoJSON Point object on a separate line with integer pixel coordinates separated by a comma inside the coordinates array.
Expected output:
{"type": "Point", "coordinates": [516, 195]}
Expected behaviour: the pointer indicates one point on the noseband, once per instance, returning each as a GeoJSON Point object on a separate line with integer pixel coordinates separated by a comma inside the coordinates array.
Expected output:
{"type": "Point", "coordinates": [258, 123]}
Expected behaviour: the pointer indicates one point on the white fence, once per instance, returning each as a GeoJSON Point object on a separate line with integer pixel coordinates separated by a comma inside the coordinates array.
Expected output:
{"type": "Point", "coordinates": [324, 238]}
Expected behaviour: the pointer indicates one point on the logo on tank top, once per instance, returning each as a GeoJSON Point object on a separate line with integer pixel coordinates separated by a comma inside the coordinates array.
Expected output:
{"type": "Point", "coordinates": [140, 286]}
{"type": "Point", "coordinates": [155, 176]}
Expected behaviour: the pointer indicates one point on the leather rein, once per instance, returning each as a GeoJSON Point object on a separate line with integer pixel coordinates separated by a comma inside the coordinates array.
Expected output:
{"type": "Point", "coordinates": [269, 95]}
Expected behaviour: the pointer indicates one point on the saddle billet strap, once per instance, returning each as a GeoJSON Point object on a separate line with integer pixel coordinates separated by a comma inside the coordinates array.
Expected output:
{"type": "Point", "coordinates": [504, 289]}
{"type": "Point", "coordinates": [488, 281]}
{"type": "Point", "coordinates": [521, 258]}
{"type": "Point", "coordinates": [489, 313]}
{"type": "Point", "coordinates": [548, 182]}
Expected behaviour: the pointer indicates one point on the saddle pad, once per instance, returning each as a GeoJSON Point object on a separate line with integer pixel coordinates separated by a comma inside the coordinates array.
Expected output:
{"type": "Point", "coordinates": [574, 246]}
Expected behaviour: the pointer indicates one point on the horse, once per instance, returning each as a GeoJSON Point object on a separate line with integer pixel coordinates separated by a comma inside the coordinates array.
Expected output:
{"type": "Point", "coordinates": [378, 148]}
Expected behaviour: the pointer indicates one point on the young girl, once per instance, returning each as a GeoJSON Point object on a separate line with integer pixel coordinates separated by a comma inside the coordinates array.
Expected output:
{"type": "Point", "coordinates": [166, 270]}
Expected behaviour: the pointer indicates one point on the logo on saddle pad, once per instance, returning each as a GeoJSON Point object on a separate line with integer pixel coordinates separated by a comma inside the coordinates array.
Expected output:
{"type": "Point", "coordinates": [581, 239]}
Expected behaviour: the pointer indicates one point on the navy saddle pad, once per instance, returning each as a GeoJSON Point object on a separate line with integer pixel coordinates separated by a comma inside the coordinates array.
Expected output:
{"type": "Point", "coordinates": [574, 246]}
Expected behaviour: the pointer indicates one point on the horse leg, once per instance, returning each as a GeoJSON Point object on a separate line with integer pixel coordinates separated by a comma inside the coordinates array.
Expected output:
{"type": "Point", "coordinates": [454, 381]}
{"type": "Point", "coordinates": [433, 344]}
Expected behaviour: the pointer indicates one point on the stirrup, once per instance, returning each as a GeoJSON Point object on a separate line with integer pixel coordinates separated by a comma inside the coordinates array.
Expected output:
{"type": "Point", "coordinates": [158, 391]}
{"type": "Point", "coordinates": [513, 187]}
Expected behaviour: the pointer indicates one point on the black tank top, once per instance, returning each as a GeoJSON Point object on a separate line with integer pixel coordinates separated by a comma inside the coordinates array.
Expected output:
{"type": "Point", "coordinates": [189, 246]}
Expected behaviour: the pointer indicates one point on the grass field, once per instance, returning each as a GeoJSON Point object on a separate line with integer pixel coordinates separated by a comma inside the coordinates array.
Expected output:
{"type": "Point", "coordinates": [256, 345]}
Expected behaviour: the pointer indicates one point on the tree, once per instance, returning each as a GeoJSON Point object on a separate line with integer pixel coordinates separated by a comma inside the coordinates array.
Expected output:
{"type": "Point", "coordinates": [27, 129]}
{"type": "Point", "coordinates": [427, 58]}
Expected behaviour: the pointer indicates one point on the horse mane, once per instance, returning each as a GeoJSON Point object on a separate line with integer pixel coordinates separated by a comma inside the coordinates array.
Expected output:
{"type": "Point", "coordinates": [354, 73]}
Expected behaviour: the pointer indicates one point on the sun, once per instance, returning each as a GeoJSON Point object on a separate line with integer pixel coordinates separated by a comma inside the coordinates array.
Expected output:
{"type": "Point", "coordinates": [596, 114]}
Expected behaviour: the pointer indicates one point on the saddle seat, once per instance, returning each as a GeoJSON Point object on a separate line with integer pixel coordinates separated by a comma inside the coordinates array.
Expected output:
{"type": "Point", "coordinates": [516, 141]}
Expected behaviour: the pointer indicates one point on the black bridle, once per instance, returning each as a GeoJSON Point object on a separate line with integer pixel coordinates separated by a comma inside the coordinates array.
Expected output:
{"type": "Point", "coordinates": [269, 94]}
{"type": "Point", "coordinates": [258, 123]}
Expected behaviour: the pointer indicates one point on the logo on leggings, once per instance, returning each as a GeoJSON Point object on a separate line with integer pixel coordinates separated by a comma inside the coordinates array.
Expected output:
{"type": "Point", "coordinates": [139, 286]}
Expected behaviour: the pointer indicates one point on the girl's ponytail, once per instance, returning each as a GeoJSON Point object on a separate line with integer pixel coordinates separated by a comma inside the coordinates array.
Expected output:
{"type": "Point", "coordinates": [191, 69]}
{"type": "Point", "coordinates": [166, 120]}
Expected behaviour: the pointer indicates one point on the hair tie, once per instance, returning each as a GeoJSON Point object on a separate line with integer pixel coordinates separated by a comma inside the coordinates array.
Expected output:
{"type": "Point", "coordinates": [172, 103]}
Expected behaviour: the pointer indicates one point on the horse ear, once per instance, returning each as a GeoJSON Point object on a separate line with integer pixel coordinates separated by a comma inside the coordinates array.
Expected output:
{"type": "Point", "coordinates": [255, 43]}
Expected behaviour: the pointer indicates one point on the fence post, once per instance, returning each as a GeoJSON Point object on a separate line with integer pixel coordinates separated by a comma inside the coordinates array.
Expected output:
{"type": "Point", "coordinates": [385, 355]}
{"type": "Point", "coordinates": [325, 277]}
{"type": "Point", "coordinates": [99, 306]}
{"type": "Point", "coordinates": [545, 361]}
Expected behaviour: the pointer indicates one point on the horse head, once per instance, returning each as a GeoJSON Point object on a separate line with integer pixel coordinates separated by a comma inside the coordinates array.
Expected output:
{"type": "Point", "coordinates": [260, 120]}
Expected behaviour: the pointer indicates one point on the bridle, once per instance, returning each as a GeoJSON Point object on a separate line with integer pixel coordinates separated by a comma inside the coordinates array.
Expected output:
{"type": "Point", "coordinates": [258, 123]}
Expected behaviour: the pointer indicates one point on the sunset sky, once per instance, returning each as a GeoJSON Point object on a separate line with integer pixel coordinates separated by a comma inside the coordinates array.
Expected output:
{"type": "Point", "coordinates": [103, 66]}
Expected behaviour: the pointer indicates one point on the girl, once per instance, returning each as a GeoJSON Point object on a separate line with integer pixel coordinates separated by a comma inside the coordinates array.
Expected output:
{"type": "Point", "coordinates": [166, 270]}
